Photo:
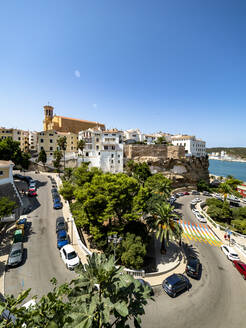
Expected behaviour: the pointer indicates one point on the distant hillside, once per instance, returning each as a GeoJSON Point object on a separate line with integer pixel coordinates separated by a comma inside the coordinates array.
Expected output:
{"type": "Point", "coordinates": [234, 151]}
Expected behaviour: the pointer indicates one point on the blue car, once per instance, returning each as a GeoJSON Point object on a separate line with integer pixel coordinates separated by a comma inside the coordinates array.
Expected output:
{"type": "Point", "coordinates": [57, 204]}
{"type": "Point", "coordinates": [62, 238]}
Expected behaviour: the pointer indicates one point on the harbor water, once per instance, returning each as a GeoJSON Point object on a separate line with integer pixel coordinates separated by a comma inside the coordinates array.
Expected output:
{"type": "Point", "coordinates": [224, 168]}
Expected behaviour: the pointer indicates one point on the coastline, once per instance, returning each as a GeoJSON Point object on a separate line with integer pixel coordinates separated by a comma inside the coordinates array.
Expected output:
{"type": "Point", "coordinates": [227, 160]}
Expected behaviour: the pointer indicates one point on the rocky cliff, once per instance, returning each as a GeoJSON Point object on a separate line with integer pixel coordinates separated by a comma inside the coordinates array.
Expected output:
{"type": "Point", "coordinates": [170, 161]}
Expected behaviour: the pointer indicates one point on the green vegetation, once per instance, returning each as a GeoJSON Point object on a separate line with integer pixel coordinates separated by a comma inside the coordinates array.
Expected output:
{"type": "Point", "coordinates": [10, 150]}
{"type": "Point", "coordinates": [7, 206]}
{"type": "Point", "coordinates": [57, 159]}
{"type": "Point", "coordinates": [202, 185]}
{"type": "Point", "coordinates": [101, 296]}
{"type": "Point", "coordinates": [62, 144]}
{"type": "Point", "coordinates": [232, 151]}
{"type": "Point", "coordinates": [42, 157]}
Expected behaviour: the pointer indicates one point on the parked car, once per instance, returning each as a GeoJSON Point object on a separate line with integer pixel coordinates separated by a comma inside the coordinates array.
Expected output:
{"type": "Point", "coordinates": [32, 193]}
{"type": "Point", "coordinates": [27, 179]}
{"type": "Point", "coordinates": [193, 267]}
{"type": "Point", "coordinates": [69, 256]}
{"type": "Point", "coordinates": [18, 176]}
{"type": "Point", "coordinates": [195, 211]}
{"type": "Point", "coordinates": [241, 267]}
{"type": "Point", "coordinates": [195, 192]}
{"type": "Point", "coordinates": [230, 252]}
{"type": "Point", "coordinates": [175, 284]}
{"type": "Point", "coordinates": [62, 238]}
{"type": "Point", "coordinates": [18, 236]}
{"type": "Point", "coordinates": [55, 195]}
{"type": "Point", "coordinates": [57, 204]}
{"type": "Point", "coordinates": [206, 193]}
{"type": "Point", "coordinates": [33, 185]}
{"type": "Point", "coordinates": [186, 193]}
{"type": "Point", "coordinates": [200, 218]}
{"type": "Point", "coordinates": [54, 190]}
{"type": "Point", "coordinates": [15, 255]}
{"type": "Point", "coordinates": [60, 224]}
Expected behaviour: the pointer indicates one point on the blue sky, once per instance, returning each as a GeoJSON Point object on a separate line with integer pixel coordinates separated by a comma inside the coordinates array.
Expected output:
{"type": "Point", "coordinates": [174, 66]}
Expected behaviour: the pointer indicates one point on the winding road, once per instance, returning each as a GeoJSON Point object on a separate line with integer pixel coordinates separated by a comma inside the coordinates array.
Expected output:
{"type": "Point", "coordinates": [41, 257]}
{"type": "Point", "coordinates": [217, 300]}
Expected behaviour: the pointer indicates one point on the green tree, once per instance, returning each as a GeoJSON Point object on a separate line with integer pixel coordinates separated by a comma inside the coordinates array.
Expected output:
{"type": "Point", "coordinates": [202, 185]}
{"type": "Point", "coordinates": [81, 146]}
{"type": "Point", "coordinates": [158, 183]}
{"type": "Point", "coordinates": [57, 159]}
{"type": "Point", "coordinates": [10, 150]}
{"type": "Point", "coordinates": [42, 157]}
{"type": "Point", "coordinates": [141, 172]}
{"type": "Point", "coordinates": [68, 173]}
{"type": "Point", "coordinates": [161, 141]}
{"type": "Point", "coordinates": [165, 226]}
{"type": "Point", "coordinates": [225, 189]}
{"type": "Point", "coordinates": [62, 144]}
{"type": "Point", "coordinates": [133, 251]}
{"type": "Point", "coordinates": [67, 191]}
{"type": "Point", "coordinates": [104, 296]}
{"type": "Point", "coordinates": [7, 206]}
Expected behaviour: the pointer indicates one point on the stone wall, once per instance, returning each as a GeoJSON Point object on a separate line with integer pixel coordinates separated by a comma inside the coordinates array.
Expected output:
{"type": "Point", "coordinates": [171, 162]}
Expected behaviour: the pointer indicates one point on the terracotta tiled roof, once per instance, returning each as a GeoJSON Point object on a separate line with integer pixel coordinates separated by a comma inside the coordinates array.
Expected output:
{"type": "Point", "coordinates": [75, 119]}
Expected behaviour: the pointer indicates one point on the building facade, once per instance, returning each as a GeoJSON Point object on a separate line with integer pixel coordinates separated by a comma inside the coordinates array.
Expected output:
{"type": "Point", "coordinates": [242, 190]}
{"type": "Point", "coordinates": [133, 135]}
{"type": "Point", "coordinates": [103, 149]}
{"type": "Point", "coordinates": [193, 147]}
{"type": "Point", "coordinates": [16, 135]}
{"type": "Point", "coordinates": [66, 124]}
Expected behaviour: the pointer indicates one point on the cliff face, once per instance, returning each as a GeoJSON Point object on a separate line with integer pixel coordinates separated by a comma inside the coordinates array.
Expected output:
{"type": "Point", "coordinates": [170, 161]}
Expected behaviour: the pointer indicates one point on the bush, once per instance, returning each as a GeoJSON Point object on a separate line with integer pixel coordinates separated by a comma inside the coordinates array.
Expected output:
{"type": "Point", "coordinates": [133, 251]}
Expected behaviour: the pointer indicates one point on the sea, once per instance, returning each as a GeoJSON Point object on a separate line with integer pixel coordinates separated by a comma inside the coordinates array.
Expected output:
{"type": "Point", "coordinates": [224, 168]}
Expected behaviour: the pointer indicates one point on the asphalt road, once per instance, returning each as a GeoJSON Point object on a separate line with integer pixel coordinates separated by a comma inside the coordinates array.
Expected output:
{"type": "Point", "coordinates": [216, 300]}
{"type": "Point", "coordinates": [41, 257]}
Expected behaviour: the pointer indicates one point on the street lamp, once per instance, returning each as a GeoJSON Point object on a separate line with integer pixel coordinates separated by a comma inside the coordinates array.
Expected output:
{"type": "Point", "coordinates": [71, 220]}
{"type": "Point", "coordinates": [116, 240]}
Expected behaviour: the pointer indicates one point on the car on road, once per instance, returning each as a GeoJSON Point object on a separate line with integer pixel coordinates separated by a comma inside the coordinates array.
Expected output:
{"type": "Point", "coordinates": [57, 204]}
{"type": "Point", "coordinates": [241, 267]}
{"type": "Point", "coordinates": [69, 256]}
{"type": "Point", "coordinates": [230, 252]}
{"type": "Point", "coordinates": [193, 267]}
{"type": "Point", "coordinates": [200, 218]}
{"type": "Point", "coordinates": [194, 211]}
{"type": "Point", "coordinates": [60, 224]}
{"type": "Point", "coordinates": [15, 255]}
{"type": "Point", "coordinates": [62, 238]}
{"type": "Point", "coordinates": [176, 283]}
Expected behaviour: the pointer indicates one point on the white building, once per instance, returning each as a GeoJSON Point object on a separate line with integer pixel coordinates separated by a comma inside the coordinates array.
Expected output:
{"type": "Point", "coordinates": [152, 138]}
{"type": "Point", "coordinates": [133, 135]}
{"type": "Point", "coordinates": [193, 146]}
{"type": "Point", "coordinates": [103, 149]}
{"type": "Point", "coordinates": [33, 141]}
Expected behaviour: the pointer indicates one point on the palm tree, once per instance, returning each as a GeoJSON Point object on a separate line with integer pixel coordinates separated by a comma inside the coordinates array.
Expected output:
{"type": "Point", "coordinates": [62, 143]}
{"type": "Point", "coordinates": [225, 189]}
{"type": "Point", "coordinates": [103, 295]}
{"type": "Point", "coordinates": [81, 146]}
{"type": "Point", "coordinates": [166, 227]}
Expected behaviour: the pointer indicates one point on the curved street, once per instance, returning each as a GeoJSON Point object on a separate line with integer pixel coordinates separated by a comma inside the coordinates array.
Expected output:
{"type": "Point", "coordinates": [41, 256]}
{"type": "Point", "coordinates": [216, 300]}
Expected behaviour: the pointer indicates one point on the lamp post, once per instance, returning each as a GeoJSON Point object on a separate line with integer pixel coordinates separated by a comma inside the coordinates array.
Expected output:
{"type": "Point", "coordinates": [116, 240]}
{"type": "Point", "coordinates": [71, 221]}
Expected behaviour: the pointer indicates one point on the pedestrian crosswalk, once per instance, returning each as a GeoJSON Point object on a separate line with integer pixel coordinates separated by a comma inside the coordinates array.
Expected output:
{"type": "Point", "coordinates": [199, 232]}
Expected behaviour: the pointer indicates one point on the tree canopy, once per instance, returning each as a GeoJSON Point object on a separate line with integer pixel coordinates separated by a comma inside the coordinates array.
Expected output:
{"type": "Point", "coordinates": [7, 206]}
{"type": "Point", "coordinates": [10, 150]}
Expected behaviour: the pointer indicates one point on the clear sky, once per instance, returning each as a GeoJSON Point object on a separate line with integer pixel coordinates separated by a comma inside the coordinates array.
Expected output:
{"type": "Point", "coordinates": [178, 66]}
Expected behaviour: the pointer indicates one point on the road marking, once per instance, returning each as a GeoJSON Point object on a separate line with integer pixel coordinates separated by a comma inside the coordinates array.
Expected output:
{"type": "Point", "coordinates": [199, 232]}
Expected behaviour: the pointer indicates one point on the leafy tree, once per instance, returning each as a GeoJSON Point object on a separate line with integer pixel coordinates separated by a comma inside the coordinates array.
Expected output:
{"type": "Point", "coordinates": [158, 183]}
{"type": "Point", "coordinates": [62, 143]}
{"type": "Point", "coordinates": [7, 206]}
{"type": "Point", "coordinates": [164, 224]}
{"type": "Point", "coordinates": [225, 189]}
{"type": "Point", "coordinates": [83, 174]}
{"type": "Point", "coordinates": [104, 296]}
{"type": "Point", "coordinates": [161, 141]}
{"type": "Point", "coordinates": [81, 145]}
{"type": "Point", "coordinates": [68, 172]}
{"type": "Point", "coordinates": [42, 157]}
{"type": "Point", "coordinates": [141, 172]}
{"type": "Point", "coordinates": [133, 251]}
{"type": "Point", "coordinates": [202, 185]}
{"type": "Point", "coordinates": [232, 182]}
{"type": "Point", "coordinates": [10, 150]}
{"type": "Point", "coordinates": [57, 159]}
{"type": "Point", "coordinates": [67, 191]}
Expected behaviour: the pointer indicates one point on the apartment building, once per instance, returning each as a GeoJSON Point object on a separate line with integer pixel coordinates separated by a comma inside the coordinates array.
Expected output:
{"type": "Point", "coordinates": [193, 146]}
{"type": "Point", "coordinates": [17, 135]}
{"type": "Point", "coordinates": [33, 141]}
{"type": "Point", "coordinates": [133, 136]}
{"type": "Point", "coordinates": [103, 149]}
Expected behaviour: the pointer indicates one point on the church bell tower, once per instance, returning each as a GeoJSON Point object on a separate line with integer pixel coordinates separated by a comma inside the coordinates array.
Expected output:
{"type": "Point", "coordinates": [48, 115]}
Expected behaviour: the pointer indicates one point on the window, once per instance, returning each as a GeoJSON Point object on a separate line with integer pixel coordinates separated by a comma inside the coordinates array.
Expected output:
{"type": "Point", "coordinates": [112, 155]}
{"type": "Point", "coordinates": [19, 138]}
{"type": "Point", "coordinates": [112, 161]}
{"type": "Point", "coordinates": [51, 148]}
{"type": "Point", "coordinates": [113, 134]}
{"type": "Point", "coordinates": [51, 140]}
{"type": "Point", "coordinates": [51, 154]}
{"type": "Point", "coordinates": [105, 147]}
{"type": "Point", "coordinates": [41, 148]}
{"type": "Point", "coordinates": [97, 139]}
{"type": "Point", "coordinates": [1, 172]}
{"type": "Point", "coordinates": [105, 134]}
{"type": "Point", "coordinates": [113, 147]}
{"type": "Point", "coordinates": [51, 134]}
{"type": "Point", "coordinates": [118, 156]}
{"type": "Point", "coordinates": [119, 162]}
{"type": "Point", "coordinates": [97, 147]}
{"type": "Point", "coordinates": [41, 140]}
{"type": "Point", "coordinates": [99, 153]}
{"type": "Point", "coordinates": [86, 154]}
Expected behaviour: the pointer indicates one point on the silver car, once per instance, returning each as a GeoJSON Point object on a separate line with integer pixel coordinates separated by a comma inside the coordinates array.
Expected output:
{"type": "Point", "coordinates": [16, 253]}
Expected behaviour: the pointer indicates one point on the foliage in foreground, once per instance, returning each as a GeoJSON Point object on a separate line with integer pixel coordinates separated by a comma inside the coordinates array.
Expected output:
{"type": "Point", "coordinates": [102, 296]}
{"type": "Point", "coordinates": [7, 206]}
